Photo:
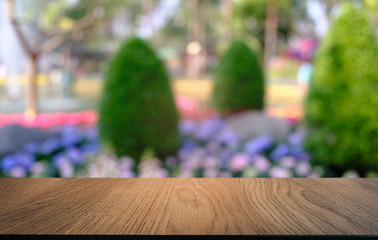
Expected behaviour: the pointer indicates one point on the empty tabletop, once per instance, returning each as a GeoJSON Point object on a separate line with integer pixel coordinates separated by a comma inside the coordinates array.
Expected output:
{"type": "Point", "coordinates": [248, 206]}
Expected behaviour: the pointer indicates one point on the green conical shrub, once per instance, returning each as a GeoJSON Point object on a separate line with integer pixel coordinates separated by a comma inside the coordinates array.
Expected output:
{"type": "Point", "coordinates": [239, 81]}
{"type": "Point", "coordinates": [137, 110]}
{"type": "Point", "coordinates": [342, 104]}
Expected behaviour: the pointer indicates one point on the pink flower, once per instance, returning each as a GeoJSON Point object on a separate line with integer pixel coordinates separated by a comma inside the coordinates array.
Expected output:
{"type": "Point", "coordinates": [279, 172]}
{"type": "Point", "coordinates": [127, 174]}
{"type": "Point", "coordinates": [37, 168]}
{"type": "Point", "coordinates": [239, 162]}
{"type": "Point", "coordinates": [187, 107]}
{"type": "Point", "coordinates": [161, 173]}
{"type": "Point", "coordinates": [126, 163]}
{"type": "Point", "coordinates": [261, 163]}
{"type": "Point", "coordinates": [210, 173]}
{"type": "Point", "coordinates": [287, 162]}
{"type": "Point", "coordinates": [210, 162]}
{"type": "Point", "coordinates": [17, 172]}
{"type": "Point", "coordinates": [193, 162]}
{"type": "Point", "coordinates": [302, 168]}
{"type": "Point", "coordinates": [66, 169]}
{"type": "Point", "coordinates": [50, 119]}
{"type": "Point", "coordinates": [313, 175]}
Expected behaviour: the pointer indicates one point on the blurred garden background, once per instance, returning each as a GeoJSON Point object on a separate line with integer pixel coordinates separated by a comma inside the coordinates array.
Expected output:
{"type": "Point", "coordinates": [199, 88]}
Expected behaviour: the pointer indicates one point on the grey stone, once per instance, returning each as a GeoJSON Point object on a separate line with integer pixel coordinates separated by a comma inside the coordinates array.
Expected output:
{"type": "Point", "coordinates": [14, 137]}
{"type": "Point", "coordinates": [251, 124]}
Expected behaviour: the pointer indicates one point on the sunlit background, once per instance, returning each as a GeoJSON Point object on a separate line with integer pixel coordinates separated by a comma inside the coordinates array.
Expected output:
{"type": "Point", "coordinates": [56, 58]}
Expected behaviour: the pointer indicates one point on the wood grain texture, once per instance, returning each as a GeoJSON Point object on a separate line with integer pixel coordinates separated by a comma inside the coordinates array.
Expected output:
{"type": "Point", "coordinates": [189, 206]}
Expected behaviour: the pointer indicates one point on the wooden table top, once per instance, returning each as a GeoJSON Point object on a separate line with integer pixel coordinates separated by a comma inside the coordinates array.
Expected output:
{"type": "Point", "coordinates": [189, 206]}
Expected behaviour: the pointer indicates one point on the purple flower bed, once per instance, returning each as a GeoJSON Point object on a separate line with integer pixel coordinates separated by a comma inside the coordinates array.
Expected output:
{"type": "Point", "coordinates": [208, 149]}
{"type": "Point", "coordinates": [55, 157]}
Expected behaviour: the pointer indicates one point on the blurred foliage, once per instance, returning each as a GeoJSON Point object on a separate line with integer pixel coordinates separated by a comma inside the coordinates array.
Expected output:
{"type": "Point", "coordinates": [109, 8]}
{"type": "Point", "coordinates": [47, 18]}
{"type": "Point", "coordinates": [137, 110]}
{"type": "Point", "coordinates": [249, 20]}
{"type": "Point", "coordinates": [341, 107]}
{"type": "Point", "coordinates": [176, 28]}
{"type": "Point", "coordinates": [372, 7]}
{"type": "Point", "coordinates": [174, 31]}
{"type": "Point", "coordinates": [248, 23]}
{"type": "Point", "coordinates": [101, 35]}
{"type": "Point", "coordinates": [43, 13]}
{"type": "Point", "coordinates": [239, 81]}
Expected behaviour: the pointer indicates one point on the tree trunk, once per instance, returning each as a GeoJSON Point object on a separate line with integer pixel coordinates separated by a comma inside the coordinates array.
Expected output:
{"type": "Point", "coordinates": [328, 9]}
{"type": "Point", "coordinates": [225, 38]}
{"type": "Point", "coordinates": [195, 61]}
{"type": "Point", "coordinates": [147, 9]}
{"type": "Point", "coordinates": [270, 32]}
{"type": "Point", "coordinates": [226, 10]}
{"type": "Point", "coordinates": [202, 40]}
{"type": "Point", "coordinates": [31, 88]}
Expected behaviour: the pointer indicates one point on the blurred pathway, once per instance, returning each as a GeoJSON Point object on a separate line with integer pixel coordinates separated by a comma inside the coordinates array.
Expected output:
{"type": "Point", "coordinates": [192, 99]}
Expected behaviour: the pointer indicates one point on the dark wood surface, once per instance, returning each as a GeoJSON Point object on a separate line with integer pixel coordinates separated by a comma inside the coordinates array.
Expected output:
{"type": "Point", "coordinates": [189, 206]}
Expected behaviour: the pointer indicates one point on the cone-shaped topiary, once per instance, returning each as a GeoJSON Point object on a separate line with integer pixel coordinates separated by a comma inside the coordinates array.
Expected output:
{"type": "Point", "coordinates": [342, 104]}
{"type": "Point", "coordinates": [137, 110]}
{"type": "Point", "coordinates": [239, 80]}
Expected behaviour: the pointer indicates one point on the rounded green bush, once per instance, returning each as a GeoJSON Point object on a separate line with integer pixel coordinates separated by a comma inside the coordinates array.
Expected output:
{"type": "Point", "coordinates": [239, 80]}
{"type": "Point", "coordinates": [342, 103]}
{"type": "Point", "coordinates": [137, 110]}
